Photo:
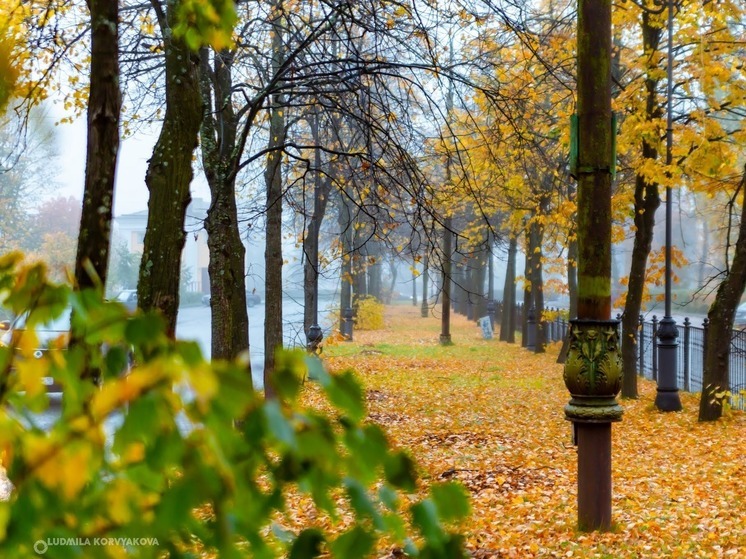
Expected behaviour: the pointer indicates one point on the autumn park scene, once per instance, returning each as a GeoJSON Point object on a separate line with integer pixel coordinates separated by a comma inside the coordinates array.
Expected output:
{"type": "Point", "coordinates": [384, 278]}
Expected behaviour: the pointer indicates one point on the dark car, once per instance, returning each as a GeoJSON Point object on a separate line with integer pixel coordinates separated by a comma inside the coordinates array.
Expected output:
{"type": "Point", "coordinates": [252, 299]}
{"type": "Point", "coordinates": [128, 297]}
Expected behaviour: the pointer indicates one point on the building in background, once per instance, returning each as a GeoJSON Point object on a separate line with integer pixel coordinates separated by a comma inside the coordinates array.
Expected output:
{"type": "Point", "coordinates": [131, 228]}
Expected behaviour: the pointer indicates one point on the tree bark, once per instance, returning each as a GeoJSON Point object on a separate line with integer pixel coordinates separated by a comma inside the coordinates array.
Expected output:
{"type": "Point", "coordinates": [647, 200]}
{"type": "Point", "coordinates": [321, 188]}
{"type": "Point", "coordinates": [104, 108]}
{"type": "Point", "coordinates": [273, 337]}
{"type": "Point", "coordinates": [375, 284]}
{"type": "Point", "coordinates": [168, 177]}
{"type": "Point", "coordinates": [445, 318]}
{"type": "Point", "coordinates": [359, 266]}
{"type": "Point", "coordinates": [344, 220]}
{"type": "Point", "coordinates": [479, 277]}
{"type": "Point", "coordinates": [230, 322]}
{"type": "Point", "coordinates": [425, 309]}
{"type": "Point", "coordinates": [507, 320]}
{"type": "Point", "coordinates": [536, 235]}
{"type": "Point", "coordinates": [527, 298]}
{"type": "Point", "coordinates": [716, 374]}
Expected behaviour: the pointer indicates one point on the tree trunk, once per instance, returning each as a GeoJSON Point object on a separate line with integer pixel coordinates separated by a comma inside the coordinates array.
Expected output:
{"type": "Point", "coordinates": [425, 309]}
{"type": "Point", "coordinates": [394, 274]}
{"type": "Point", "coordinates": [344, 220]}
{"type": "Point", "coordinates": [647, 201]}
{"type": "Point", "coordinates": [273, 338]}
{"type": "Point", "coordinates": [168, 178]}
{"type": "Point", "coordinates": [414, 283]}
{"type": "Point", "coordinates": [359, 267]}
{"type": "Point", "coordinates": [375, 283]}
{"type": "Point", "coordinates": [536, 235]}
{"type": "Point", "coordinates": [445, 317]}
{"type": "Point", "coordinates": [461, 286]}
{"type": "Point", "coordinates": [716, 374]}
{"type": "Point", "coordinates": [527, 299]}
{"type": "Point", "coordinates": [321, 187]}
{"type": "Point", "coordinates": [478, 285]}
{"type": "Point", "coordinates": [491, 269]}
{"type": "Point", "coordinates": [230, 323]}
{"type": "Point", "coordinates": [104, 107]}
{"type": "Point", "coordinates": [507, 320]}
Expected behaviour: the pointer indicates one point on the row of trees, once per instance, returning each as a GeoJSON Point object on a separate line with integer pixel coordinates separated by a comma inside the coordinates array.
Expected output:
{"type": "Point", "coordinates": [433, 133]}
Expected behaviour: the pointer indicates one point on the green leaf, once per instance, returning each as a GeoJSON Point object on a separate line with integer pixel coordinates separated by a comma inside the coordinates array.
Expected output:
{"type": "Point", "coordinates": [425, 517]}
{"type": "Point", "coordinates": [307, 545]}
{"type": "Point", "coordinates": [117, 361]}
{"type": "Point", "coordinates": [356, 543]}
{"type": "Point", "coordinates": [451, 500]}
{"type": "Point", "coordinates": [316, 370]}
{"type": "Point", "coordinates": [144, 329]}
{"type": "Point", "coordinates": [346, 393]}
{"type": "Point", "coordinates": [277, 424]}
{"type": "Point", "coordinates": [290, 367]}
{"type": "Point", "coordinates": [368, 447]}
{"type": "Point", "coordinates": [361, 501]}
{"type": "Point", "coordinates": [388, 497]}
{"type": "Point", "coordinates": [400, 471]}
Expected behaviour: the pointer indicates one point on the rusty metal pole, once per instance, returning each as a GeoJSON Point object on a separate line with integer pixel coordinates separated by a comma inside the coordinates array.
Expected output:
{"type": "Point", "coordinates": [592, 371]}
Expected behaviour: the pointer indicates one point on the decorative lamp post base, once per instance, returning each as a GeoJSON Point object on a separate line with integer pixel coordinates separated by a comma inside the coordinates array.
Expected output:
{"type": "Point", "coordinates": [313, 339]}
{"type": "Point", "coordinates": [592, 374]}
{"type": "Point", "coordinates": [593, 409]}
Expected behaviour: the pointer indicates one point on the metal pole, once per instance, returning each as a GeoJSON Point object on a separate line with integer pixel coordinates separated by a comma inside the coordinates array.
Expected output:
{"type": "Point", "coordinates": [593, 340]}
{"type": "Point", "coordinates": [667, 397]}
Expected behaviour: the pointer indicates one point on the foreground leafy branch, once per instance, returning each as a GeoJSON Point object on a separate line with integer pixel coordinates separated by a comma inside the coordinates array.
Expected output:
{"type": "Point", "coordinates": [181, 457]}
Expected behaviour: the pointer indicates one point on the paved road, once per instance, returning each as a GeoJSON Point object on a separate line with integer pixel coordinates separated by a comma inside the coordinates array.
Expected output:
{"type": "Point", "coordinates": [194, 324]}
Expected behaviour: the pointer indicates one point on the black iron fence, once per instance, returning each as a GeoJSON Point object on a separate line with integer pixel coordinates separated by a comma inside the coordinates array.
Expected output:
{"type": "Point", "coordinates": [690, 350]}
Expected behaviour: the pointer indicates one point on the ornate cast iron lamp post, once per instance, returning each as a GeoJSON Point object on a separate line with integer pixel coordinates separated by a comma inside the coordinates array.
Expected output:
{"type": "Point", "coordinates": [593, 367]}
{"type": "Point", "coordinates": [667, 396]}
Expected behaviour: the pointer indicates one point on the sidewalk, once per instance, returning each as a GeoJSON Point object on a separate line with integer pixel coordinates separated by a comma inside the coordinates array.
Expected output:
{"type": "Point", "coordinates": [490, 415]}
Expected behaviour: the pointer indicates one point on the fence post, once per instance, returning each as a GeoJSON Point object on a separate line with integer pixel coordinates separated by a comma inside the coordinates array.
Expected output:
{"type": "Point", "coordinates": [687, 349]}
{"type": "Point", "coordinates": [347, 323]}
{"type": "Point", "coordinates": [519, 319]}
{"type": "Point", "coordinates": [654, 341]}
{"type": "Point", "coordinates": [558, 327]}
{"type": "Point", "coordinates": [705, 330]}
{"type": "Point", "coordinates": [555, 320]}
{"type": "Point", "coordinates": [531, 329]}
{"type": "Point", "coordinates": [641, 348]}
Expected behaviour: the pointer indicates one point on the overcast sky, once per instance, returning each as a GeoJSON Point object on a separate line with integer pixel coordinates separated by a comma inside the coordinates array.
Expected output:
{"type": "Point", "coordinates": [131, 194]}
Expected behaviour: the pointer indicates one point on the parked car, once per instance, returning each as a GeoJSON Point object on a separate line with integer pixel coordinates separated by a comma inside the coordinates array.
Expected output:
{"type": "Point", "coordinates": [128, 297]}
{"type": "Point", "coordinates": [52, 335]}
{"type": "Point", "coordinates": [252, 299]}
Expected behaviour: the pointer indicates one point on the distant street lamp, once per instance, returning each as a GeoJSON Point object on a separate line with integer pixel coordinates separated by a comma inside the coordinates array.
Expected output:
{"type": "Point", "coordinates": [667, 396]}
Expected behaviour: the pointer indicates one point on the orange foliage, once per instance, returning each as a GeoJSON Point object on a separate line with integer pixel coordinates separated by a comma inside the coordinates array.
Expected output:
{"type": "Point", "coordinates": [490, 415]}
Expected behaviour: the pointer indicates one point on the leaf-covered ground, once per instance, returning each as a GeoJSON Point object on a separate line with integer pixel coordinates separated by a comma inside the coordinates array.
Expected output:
{"type": "Point", "coordinates": [490, 414]}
